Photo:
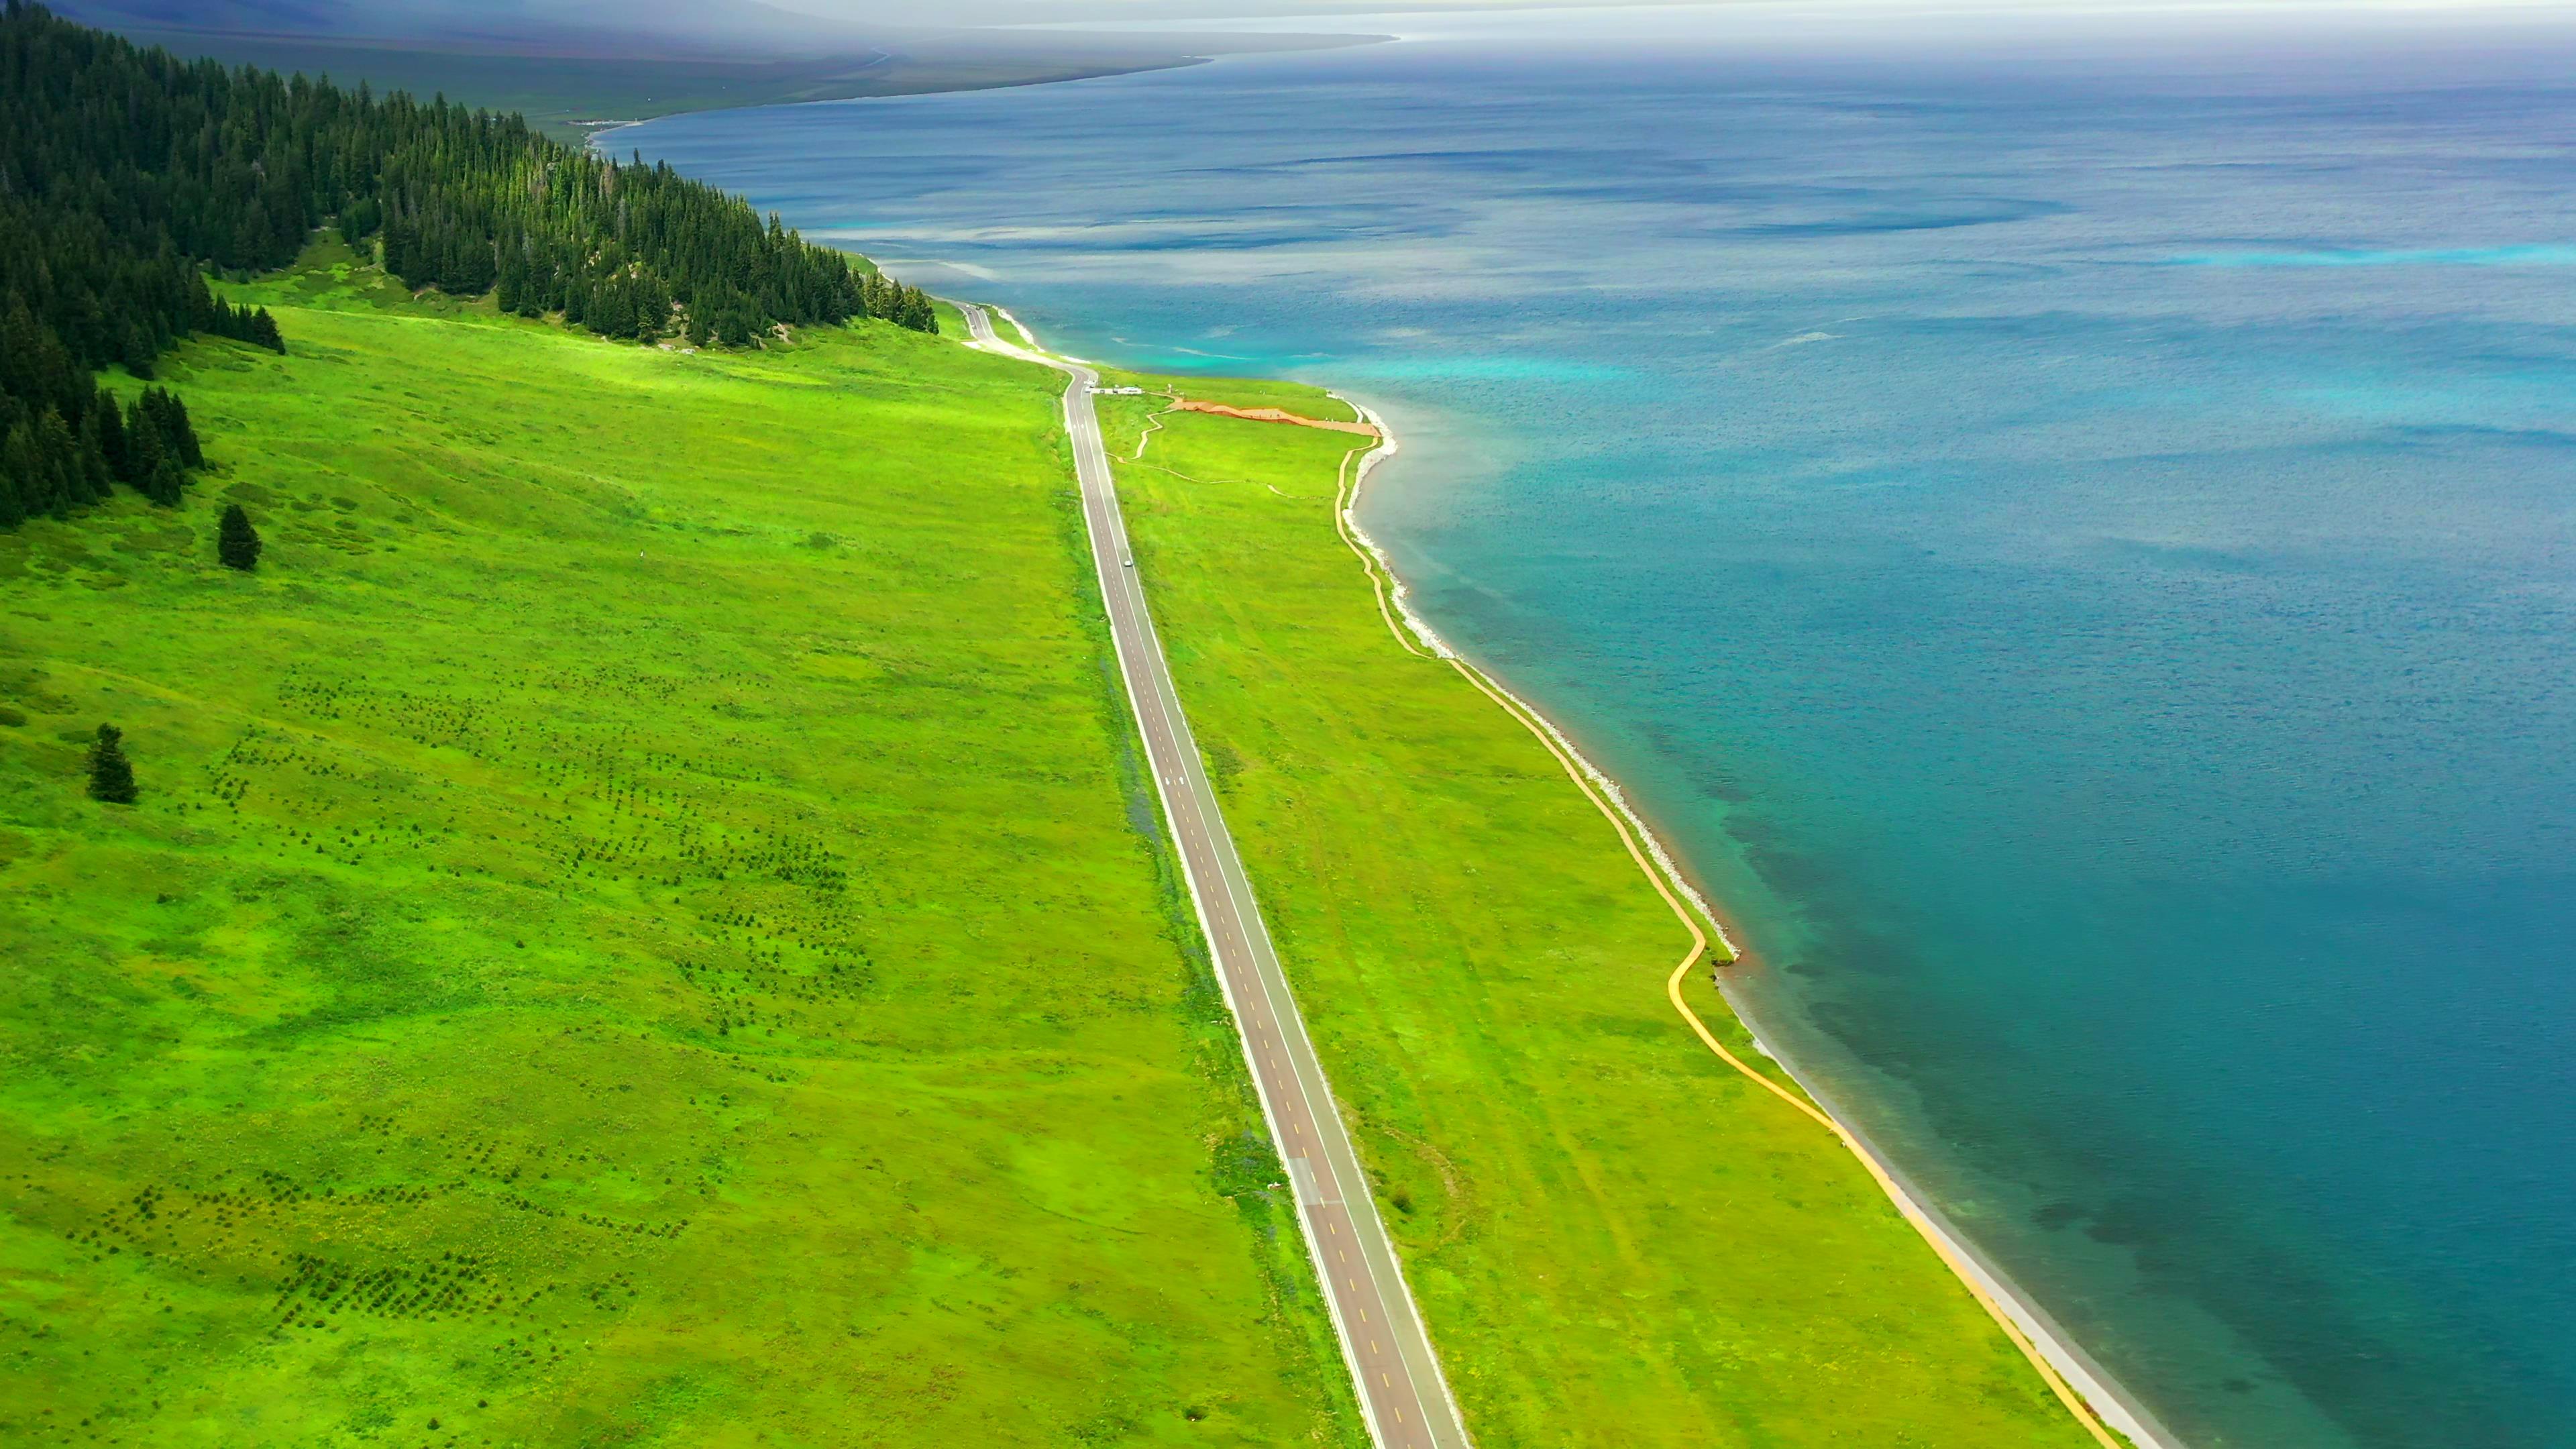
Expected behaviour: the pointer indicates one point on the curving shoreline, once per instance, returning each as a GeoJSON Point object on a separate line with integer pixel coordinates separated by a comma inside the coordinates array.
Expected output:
{"type": "Point", "coordinates": [2093, 1397]}
{"type": "Point", "coordinates": [2035, 1331]}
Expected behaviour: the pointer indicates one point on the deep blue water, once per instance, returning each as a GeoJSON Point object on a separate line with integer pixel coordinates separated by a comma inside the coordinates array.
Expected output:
{"type": "Point", "coordinates": [2072, 533]}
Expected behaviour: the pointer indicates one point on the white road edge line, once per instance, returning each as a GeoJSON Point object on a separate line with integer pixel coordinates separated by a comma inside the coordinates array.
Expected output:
{"type": "Point", "coordinates": [1108, 537]}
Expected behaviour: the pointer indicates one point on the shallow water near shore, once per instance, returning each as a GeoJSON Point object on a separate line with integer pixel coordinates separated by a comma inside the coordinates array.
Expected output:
{"type": "Point", "coordinates": [2074, 542]}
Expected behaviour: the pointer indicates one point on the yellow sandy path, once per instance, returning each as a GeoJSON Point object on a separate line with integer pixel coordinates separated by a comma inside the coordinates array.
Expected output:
{"type": "Point", "coordinates": [1270, 415]}
{"type": "Point", "coordinates": [1654, 874]}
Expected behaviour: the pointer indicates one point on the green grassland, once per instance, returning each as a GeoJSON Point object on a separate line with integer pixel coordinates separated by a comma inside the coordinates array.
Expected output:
{"type": "Point", "coordinates": [1616, 1240]}
{"type": "Point", "coordinates": [642, 927]}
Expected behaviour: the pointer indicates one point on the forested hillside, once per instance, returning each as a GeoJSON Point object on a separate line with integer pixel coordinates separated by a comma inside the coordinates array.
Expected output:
{"type": "Point", "coordinates": [125, 171]}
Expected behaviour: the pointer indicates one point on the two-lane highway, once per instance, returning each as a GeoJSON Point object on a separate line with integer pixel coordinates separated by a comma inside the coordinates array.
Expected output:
{"type": "Point", "coordinates": [1400, 1385]}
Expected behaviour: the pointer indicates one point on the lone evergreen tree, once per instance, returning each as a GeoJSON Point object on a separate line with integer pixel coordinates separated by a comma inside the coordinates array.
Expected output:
{"type": "Point", "coordinates": [111, 775]}
{"type": "Point", "coordinates": [236, 542]}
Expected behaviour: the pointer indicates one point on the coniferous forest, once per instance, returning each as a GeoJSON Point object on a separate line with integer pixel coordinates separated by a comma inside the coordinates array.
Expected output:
{"type": "Point", "coordinates": [125, 173]}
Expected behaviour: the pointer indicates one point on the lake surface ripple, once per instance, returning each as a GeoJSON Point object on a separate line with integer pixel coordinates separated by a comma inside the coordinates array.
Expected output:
{"type": "Point", "coordinates": [2074, 540]}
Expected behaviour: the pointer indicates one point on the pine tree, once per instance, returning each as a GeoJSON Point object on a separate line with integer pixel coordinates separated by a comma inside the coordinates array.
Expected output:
{"type": "Point", "coordinates": [111, 775]}
{"type": "Point", "coordinates": [59, 453]}
{"type": "Point", "coordinates": [109, 419]}
{"type": "Point", "coordinates": [156, 461]}
{"type": "Point", "coordinates": [358, 223]}
{"type": "Point", "coordinates": [263, 330]}
{"type": "Point", "coordinates": [652, 309]}
{"type": "Point", "coordinates": [13, 489]}
{"type": "Point", "coordinates": [165, 485]}
{"type": "Point", "coordinates": [98, 476]}
{"type": "Point", "coordinates": [184, 433]}
{"type": "Point", "coordinates": [612, 312]}
{"type": "Point", "coordinates": [24, 474]}
{"type": "Point", "coordinates": [170, 417]}
{"type": "Point", "coordinates": [144, 450]}
{"type": "Point", "coordinates": [134, 349]}
{"type": "Point", "coordinates": [236, 542]}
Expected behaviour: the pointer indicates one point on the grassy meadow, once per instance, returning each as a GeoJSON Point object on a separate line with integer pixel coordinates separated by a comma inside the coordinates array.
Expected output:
{"type": "Point", "coordinates": [1616, 1240]}
{"type": "Point", "coordinates": [642, 926]}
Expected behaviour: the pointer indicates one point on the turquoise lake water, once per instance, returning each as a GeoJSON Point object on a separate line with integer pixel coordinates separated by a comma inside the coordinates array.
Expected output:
{"type": "Point", "coordinates": [2071, 532]}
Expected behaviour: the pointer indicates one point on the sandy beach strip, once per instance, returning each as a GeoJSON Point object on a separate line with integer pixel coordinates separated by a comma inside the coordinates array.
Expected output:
{"type": "Point", "coordinates": [2103, 1394]}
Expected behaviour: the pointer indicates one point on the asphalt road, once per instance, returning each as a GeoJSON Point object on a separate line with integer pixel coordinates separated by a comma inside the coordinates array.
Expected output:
{"type": "Point", "coordinates": [1401, 1391]}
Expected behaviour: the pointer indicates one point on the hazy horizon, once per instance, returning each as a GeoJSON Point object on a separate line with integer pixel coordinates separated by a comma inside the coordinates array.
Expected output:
{"type": "Point", "coordinates": [788, 27]}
